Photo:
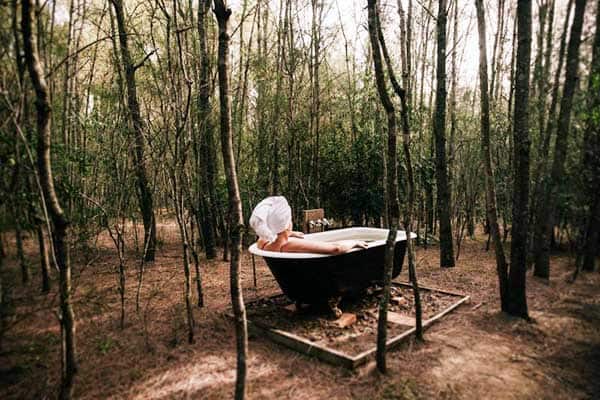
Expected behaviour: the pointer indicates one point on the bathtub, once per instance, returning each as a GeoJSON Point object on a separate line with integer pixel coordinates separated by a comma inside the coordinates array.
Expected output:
{"type": "Point", "coordinates": [310, 278]}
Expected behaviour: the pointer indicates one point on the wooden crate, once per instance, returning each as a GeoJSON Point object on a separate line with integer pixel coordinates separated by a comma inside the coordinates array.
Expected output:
{"type": "Point", "coordinates": [312, 215]}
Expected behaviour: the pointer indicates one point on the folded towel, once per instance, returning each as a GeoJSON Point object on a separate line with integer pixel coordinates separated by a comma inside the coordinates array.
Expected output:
{"type": "Point", "coordinates": [270, 217]}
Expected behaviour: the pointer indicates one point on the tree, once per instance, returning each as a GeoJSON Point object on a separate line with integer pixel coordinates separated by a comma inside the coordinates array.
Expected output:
{"type": "Point", "coordinates": [144, 192]}
{"type": "Point", "coordinates": [517, 300]}
{"type": "Point", "coordinates": [492, 214]}
{"type": "Point", "coordinates": [439, 133]}
{"type": "Point", "coordinates": [236, 219]}
{"type": "Point", "coordinates": [540, 170]}
{"type": "Point", "coordinates": [59, 221]}
{"type": "Point", "coordinates": [205, 142]}
{"type": "Point", "coordinates": [377, 46]}
{"type": "Point", "coordinates": [402, 94]}
{"type": "Point", "coordinates": [315, 118]}
{"type": "Point", "coordinates": [545, 224]}
{"type": "Point", "coordinates": [589, 238]}
{"type": "Point", "coordinates": [392, 185]}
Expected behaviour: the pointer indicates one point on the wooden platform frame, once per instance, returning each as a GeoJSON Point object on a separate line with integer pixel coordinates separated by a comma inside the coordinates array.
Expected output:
{"type": "Point", "coordinates": [339, 358]}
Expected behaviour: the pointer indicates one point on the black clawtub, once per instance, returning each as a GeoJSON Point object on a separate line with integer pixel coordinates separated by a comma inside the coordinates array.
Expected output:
{"type": "Point", "coordinates": [316, 278]}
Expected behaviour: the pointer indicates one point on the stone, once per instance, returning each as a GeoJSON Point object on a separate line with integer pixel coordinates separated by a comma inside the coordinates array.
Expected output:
{"type": "Point", "coordinates": [290, 307]}
{"type": "Point", "coordinates": [346, 320]}
{"type": "Point", "coordinates": [401, 301]}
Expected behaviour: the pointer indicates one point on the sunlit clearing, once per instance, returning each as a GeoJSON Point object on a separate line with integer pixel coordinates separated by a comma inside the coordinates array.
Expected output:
{"type": "Point", "coordinates": [193, 377]}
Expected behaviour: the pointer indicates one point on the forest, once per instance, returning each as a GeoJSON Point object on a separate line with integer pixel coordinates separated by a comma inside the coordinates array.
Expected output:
{"type": "Point", "coordinates": [138, 136]}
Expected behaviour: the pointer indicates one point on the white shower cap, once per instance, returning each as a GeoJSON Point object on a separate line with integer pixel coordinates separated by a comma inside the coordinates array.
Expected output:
{"type": "Point", "coordinates": [270, 217]}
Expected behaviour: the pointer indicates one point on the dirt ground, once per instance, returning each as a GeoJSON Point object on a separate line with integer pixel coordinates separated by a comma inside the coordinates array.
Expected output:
{"type": "Point", "coordinates": [476, 352]}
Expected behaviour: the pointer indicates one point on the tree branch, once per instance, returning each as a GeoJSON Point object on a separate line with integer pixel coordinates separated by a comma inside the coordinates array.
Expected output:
{"type": "Point", "coordinates": [141, 63]}
{"type": "Point", "coordinates": [81, 49]}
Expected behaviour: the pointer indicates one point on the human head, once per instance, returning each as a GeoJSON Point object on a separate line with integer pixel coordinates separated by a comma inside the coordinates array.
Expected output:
{"type": "Point", "coordinates": [270, 217]}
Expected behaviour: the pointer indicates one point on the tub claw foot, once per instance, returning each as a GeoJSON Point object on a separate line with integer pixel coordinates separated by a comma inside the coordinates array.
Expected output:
{"type": "Point", "coordinates": [333, 305]}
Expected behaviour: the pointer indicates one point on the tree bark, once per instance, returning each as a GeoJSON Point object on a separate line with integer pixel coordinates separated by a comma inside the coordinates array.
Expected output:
{"type": "Point", "coordinates": [453, 119]}
{"type": "Point", "coordinates": [405, 119]}
{"type": "Point", "coordinates": [491, 211]}
{"type": "Point", "coordinates": [44, 258]}
{"type": "Point", "coordinates": [23, 263]}
{"type": "Point", "coordinates": [404, 52]}
{"type": "Point", "coordinates": [206, 167]}
{"type": "Point", "coordinates": [498, 47]}
{"type": "Point", "coordinates": [15, 178]}
{"type": "Point", "coordinates": [23, 115]}
{"type": "Point", "coordinates": [591, 158]}
{"type": "Point", "coordinates": [144, 192]}
{"type": "Point", "coordinates": [517, 299]}
{"type": "Point", "coordinates": [59, 221]}
{"type": "Point", "coordinates": [315, 110]}
{"type": "Point", "coordinates": [392, 185]}
{"type": "Point", "coordinates": [540, 174]}
{"type": "Point", "coordinates": [545, 225]}
{"type": "Point", "coordinates": [439, 133]}
{"type": "Point", "coordinates": [236, 219]}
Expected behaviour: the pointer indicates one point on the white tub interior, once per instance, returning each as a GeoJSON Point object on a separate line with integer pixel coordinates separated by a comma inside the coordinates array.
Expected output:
{"type": "Point", "coordinates": [373, 236]}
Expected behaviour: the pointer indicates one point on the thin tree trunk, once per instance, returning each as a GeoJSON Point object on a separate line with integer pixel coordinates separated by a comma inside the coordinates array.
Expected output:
{"type": "Point", "coordinates": [317, 12]}
{"type": "Point", "coordinates": [198, 278]}
{"type": "Point", "coordinates": [541, 73]}
{"type": "Point", "coordinates": [498, 38]}
{"type": "Point", "coordinates": [23, 115]}
{"type": "Point", "coordinates": [544, 227]}
{"type": "Point", "coordinates": [244, 92]}
{"type": "Point", "coordinates": [23, 263]}
{"type": "Point", "coordinates": [236, 121]}
{"type": "Point", "coordinates": [539, 77]}
{"type": "Point", "coordinates": [453, 119]}
{"type": "Point", "coordinates": [492, 214]}
{"type": "Point", "coordinates": [236, 219]}
{"type": "Point", "coordinates": [44, 258]}
{"type": "Point", "coordinates": [392, 186]}
{"type": "Point", "coordinates": [15, 179]}
{"type": "Point", "coordinates": [591, 239]}
{"type": "Point", "coordinates": [60, 223]}
{"type": "Point", "coordinates": [119, 242]}
{"type": "Point", "coordinates": [404, 51]}
{"type": "Point", "coordinates": [144, 191]}
{"type": "Point", "coordinates": [405, 119]}
{"type": "Point", "coordinates": [591, 158]}
{"type": "Point", "coordinates": [180, 216]}
{"type": "Point", "coordinates": [439, 132]}
{"type": "Point", "coordinates": [511, 90]}
{"type": "Point", "coordinates": [207, 166]}
{"type": "Point", "coordinates": [540, 174]}
{"type": "Point", "coordinates": [517, 300]}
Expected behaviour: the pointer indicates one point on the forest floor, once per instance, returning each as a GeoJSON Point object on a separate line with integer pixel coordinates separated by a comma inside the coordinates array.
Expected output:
{"type": "Point", "coordinates": [475, 352]}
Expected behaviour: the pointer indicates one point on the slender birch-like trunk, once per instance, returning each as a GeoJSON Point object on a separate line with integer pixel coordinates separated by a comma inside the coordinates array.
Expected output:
{"type": "Point", "coordinates": [144, 191]}
{"type": "Point", "coordinates": [490, 190]}
{"type": "Point", "coordinates": [392, 186]}
{"type": "Point", "coordinates": [236, 224]}
{"type": "Point", "coordinates": [59, 220]}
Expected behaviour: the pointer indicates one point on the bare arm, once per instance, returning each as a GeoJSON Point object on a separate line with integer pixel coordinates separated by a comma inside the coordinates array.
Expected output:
{"type": "Point", "coordinates": [295, 245]}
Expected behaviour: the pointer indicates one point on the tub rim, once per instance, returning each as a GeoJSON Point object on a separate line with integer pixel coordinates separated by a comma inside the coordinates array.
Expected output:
{"type": "Point", "coordinates": [330, 235]}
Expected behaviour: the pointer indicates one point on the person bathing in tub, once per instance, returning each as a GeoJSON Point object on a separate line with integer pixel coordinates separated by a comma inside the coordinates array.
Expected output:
{"type": "Point", "coordinates": [272, 222]}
